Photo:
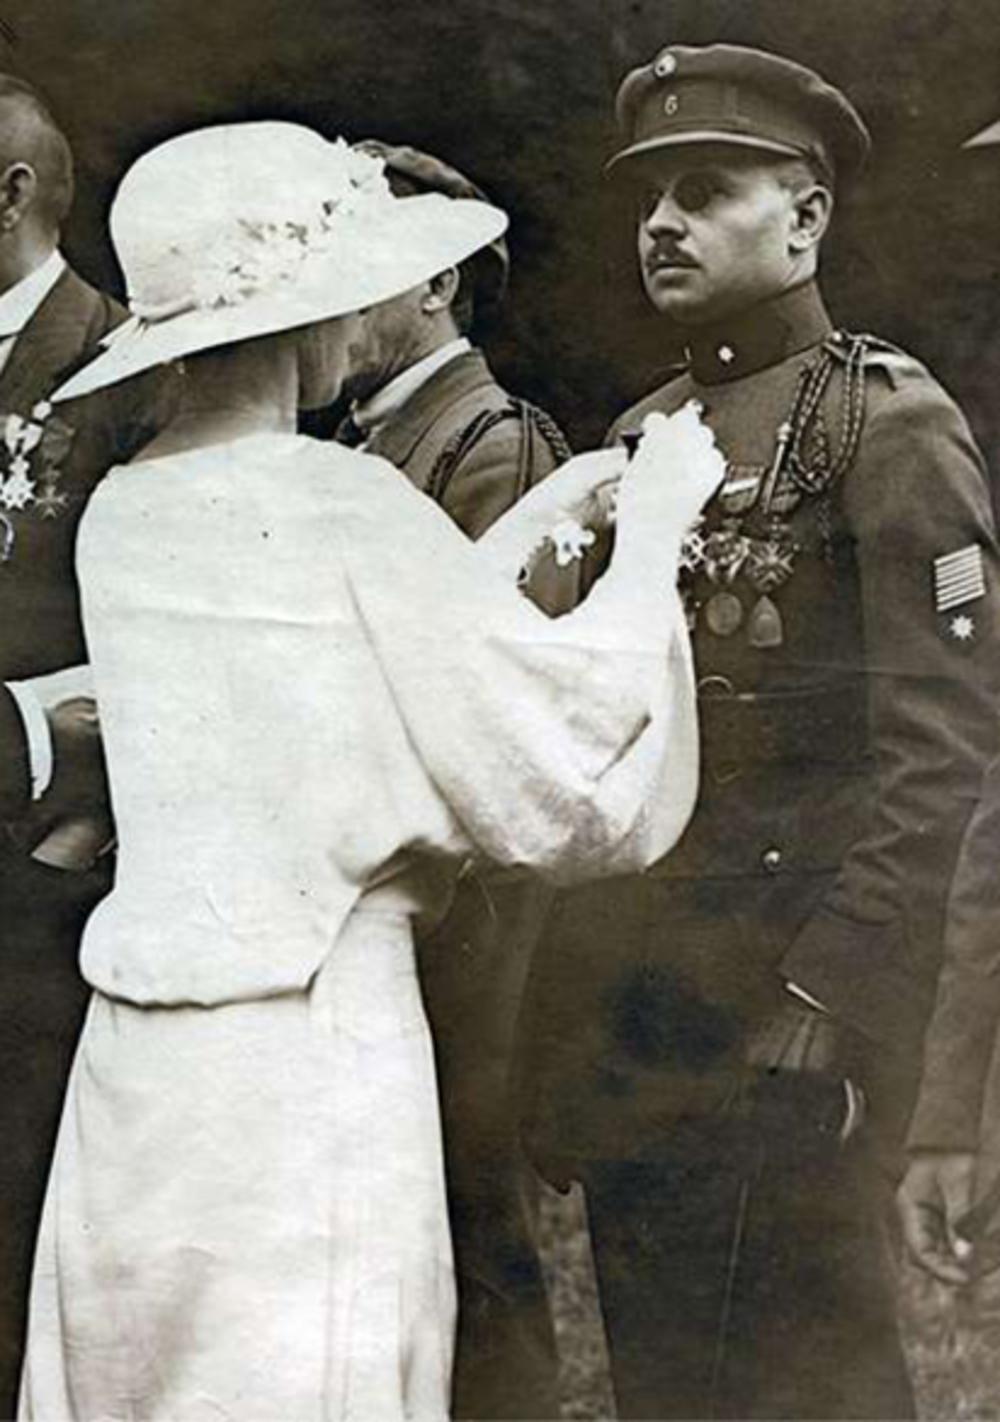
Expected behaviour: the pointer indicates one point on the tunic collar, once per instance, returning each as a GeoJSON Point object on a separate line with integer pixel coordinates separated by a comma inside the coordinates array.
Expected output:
{"type": "Point", "coordinates": [759, 336]}
{"type": "Point", "coordinates": [385, 403]}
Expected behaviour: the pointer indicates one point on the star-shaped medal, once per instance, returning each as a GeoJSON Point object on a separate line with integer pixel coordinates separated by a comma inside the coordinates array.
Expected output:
{"type": "Point", "coordinates": [50, 503]}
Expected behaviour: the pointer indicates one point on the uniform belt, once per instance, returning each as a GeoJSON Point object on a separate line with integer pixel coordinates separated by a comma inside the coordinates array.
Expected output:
{"type": "Point", "coordinates": [742, 730]}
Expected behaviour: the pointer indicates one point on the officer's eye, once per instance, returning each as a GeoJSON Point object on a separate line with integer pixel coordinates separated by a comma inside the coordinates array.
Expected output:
{"type": "Point", "coordinates": [649, 199]}
{"type": "Point", "coordinates": [694, 191]}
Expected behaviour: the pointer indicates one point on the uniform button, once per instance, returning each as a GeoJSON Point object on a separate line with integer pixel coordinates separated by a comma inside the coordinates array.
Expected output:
{"type": "Point", "coordinates": [665, 66]}
{"type": "Point", "coordinates": [771, 859]}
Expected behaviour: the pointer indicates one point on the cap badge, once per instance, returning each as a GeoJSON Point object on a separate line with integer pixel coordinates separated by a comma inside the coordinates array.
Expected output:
{"type": "Point", "coordinates": [665, 66]}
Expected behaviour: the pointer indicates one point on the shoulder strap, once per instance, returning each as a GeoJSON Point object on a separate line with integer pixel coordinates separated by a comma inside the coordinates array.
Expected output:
{"type": "Point", "coordinates": [531, 419]}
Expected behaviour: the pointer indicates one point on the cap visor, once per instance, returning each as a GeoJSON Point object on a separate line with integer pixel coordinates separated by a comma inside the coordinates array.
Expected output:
{"type": "Point", "coordinates": [701, 135]}
{"type": "Point", "coordinates": [986, 138]}
{"type": "Point", "coordinates": [421, 236]}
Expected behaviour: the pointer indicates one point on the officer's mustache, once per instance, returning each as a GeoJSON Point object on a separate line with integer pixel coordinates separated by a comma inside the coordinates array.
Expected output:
{"type": "Point", "coordinates": [667, 254]}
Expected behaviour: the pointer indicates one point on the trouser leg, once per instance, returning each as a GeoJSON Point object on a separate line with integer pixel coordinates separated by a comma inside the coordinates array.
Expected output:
{"type": "Point", "coordinates": [473, 972]}
{"type": "Point", "coordinates": [746, 1279]}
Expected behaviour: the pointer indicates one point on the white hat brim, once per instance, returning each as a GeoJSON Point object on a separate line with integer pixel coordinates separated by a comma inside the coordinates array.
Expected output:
{"type": "Point", "coordinates": [419, 237]}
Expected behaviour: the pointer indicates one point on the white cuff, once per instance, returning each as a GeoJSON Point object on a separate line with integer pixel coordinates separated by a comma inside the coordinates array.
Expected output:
{"type": "Point", "coordinates": [37, 735]}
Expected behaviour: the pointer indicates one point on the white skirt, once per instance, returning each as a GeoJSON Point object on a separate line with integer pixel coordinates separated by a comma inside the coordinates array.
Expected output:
{"type": "Point", "coordinates": [246, 1217]}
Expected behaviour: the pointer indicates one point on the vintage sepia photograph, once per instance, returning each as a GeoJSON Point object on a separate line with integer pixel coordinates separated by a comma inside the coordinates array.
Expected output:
{"type": "Point", "coordinates": [499, 710]}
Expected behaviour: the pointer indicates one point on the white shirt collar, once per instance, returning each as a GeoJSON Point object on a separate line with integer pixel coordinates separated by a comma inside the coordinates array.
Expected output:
{"type": "Point", "coordinates": [368, 414]}
{"type": "Point", "coordinates": [20, 302]}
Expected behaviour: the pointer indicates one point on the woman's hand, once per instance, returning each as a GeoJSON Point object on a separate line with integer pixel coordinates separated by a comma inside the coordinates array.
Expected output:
{"type": "Point", "coordinates": [674, 472]}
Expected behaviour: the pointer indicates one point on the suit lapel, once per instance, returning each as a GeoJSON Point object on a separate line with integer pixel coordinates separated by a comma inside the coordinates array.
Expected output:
{"type": "Point", "coordinates": [66, 322]}
{"type": "Point", "coordinates": [399, 437]}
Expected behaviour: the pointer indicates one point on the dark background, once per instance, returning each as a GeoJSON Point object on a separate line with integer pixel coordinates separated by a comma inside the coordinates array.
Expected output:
{"type": "Point", "coordinates": [519, 94]}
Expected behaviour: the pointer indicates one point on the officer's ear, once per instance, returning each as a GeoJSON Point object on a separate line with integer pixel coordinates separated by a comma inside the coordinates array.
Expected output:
{"type": "Point", "coordinates": [811, 213]}
{"type": "Point", "coordinates": [18, 186]}
{"type": "Point", "coordinates": [441, 291]}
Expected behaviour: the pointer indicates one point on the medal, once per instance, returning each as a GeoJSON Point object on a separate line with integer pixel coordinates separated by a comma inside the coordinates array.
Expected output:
{"type": "Point", "coordinates": [771, 561]}
{"type": "Point", "coordinates": [765, 628]}
{"type": "Point", "coordinates": [692, 551]}
{"type": "Point", "coordinates": [741, 488]}
{"type": "Point", "coordinates": [723, 613]}
{"type": "Point", "coordinates": [725, 553]}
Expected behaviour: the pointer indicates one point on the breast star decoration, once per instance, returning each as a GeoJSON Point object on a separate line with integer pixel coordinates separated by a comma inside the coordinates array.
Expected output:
{"type": "Point", "coordinates": [31, 452]}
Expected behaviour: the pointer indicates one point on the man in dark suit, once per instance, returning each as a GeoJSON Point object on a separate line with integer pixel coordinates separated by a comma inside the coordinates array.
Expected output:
{"type": "Point", "coordinates": [729, 1045]}
{"type": "Point", "coordinates": [49, 317]}
{"type": "Point", "coordinates": [425, 398]}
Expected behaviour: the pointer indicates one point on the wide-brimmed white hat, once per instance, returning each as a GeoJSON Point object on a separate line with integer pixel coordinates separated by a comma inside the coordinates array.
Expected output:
{"type": "Point", "coordinates": [245, 229]}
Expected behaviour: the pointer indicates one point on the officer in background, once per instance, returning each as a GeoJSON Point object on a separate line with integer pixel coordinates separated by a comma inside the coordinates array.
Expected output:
{"type": "Point", "coordinates": [424, 397]}
{"type": "Point", "coordinates": [724, 1050]}
{"type": "Point", "coordinates": [945, 1232]}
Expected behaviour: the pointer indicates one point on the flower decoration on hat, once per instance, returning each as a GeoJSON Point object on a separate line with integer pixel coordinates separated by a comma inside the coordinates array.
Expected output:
{"type": "Point", "coordinates": [260, 255]}
{"type": "Point", "coordinates": [237, 231]}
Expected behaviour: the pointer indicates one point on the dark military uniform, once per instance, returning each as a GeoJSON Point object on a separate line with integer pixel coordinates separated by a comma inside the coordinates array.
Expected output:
{"type": "Point", "coordinates": [43, 909]}
{"type": "Point", "coordinates": [847, 707]}
{"type": "Point", "coordinates": [462, 440]}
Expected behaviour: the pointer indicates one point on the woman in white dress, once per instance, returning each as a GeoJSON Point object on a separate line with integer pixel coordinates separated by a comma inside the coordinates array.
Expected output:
{"type": "Point", "coordinates": [316, 697]}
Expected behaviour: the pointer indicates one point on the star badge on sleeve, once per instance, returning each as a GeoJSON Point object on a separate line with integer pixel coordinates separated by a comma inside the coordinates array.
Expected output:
{"type": "Point", "coordinates": [958, 579]}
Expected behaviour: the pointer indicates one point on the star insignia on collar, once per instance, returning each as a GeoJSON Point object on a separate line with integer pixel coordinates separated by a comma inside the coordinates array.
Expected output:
{"type": "Point", "coordinates": [962, 628]}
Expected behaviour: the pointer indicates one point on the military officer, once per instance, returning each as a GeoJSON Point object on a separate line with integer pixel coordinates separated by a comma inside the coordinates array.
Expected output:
{"type": "Point", "coordinates": [943, 1229]}
{"type": "Point", "coordinates": [423, 395]}
{"type": "Point", "coordinates": [425, 398]}
{"type": "Point", "coordinates": [725, 1048]}
{"type": "Point", "coordinates": [49, 881]}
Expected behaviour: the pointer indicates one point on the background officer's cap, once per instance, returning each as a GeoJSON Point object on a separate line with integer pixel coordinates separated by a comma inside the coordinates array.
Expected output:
{"type": "Point", "coordinates": [410, 172]}
{"type": "Point", "coordinates": [724, 93]}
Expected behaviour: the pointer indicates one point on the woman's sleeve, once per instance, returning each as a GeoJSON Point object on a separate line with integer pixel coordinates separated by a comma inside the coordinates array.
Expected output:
{"type": "Point", "coordinates": [566, 745]}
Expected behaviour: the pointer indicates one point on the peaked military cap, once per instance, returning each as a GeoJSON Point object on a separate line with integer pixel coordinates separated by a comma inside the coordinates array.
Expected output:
{"type": "Point", "coordinates": [725, 93]}
{"type": "Point", "coordinates": [409, 172]}
{"type": "Point", "coordinates": [986, 137]}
